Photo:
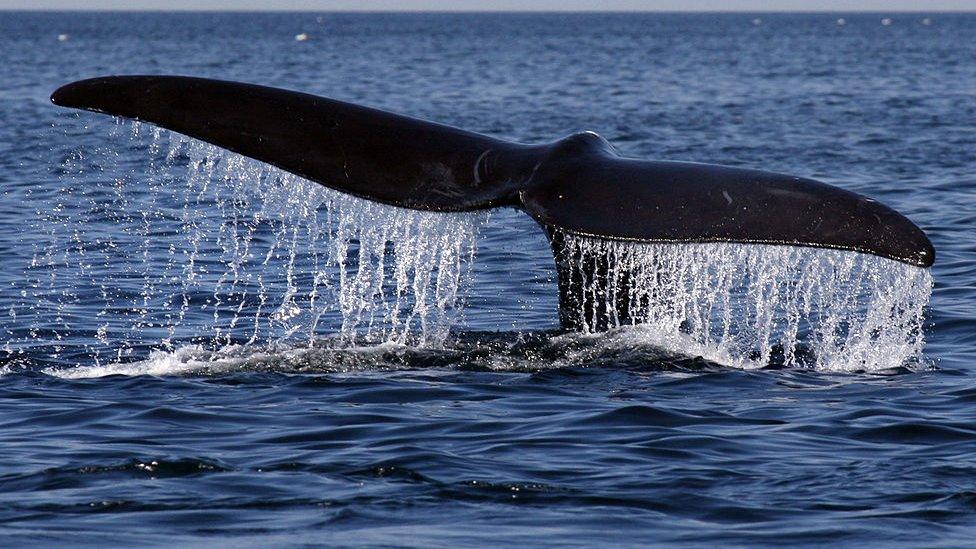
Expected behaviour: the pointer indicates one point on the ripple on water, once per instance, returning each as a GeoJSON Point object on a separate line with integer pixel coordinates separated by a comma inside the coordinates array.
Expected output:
{"type": "Point", "coordinates": [127, 257]}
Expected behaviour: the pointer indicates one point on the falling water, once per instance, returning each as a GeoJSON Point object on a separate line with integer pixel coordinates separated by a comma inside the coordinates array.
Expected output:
{"type": "Point", "coordinates": [232, 251]}
{"type": "Point", "coordinates": [745, 304]}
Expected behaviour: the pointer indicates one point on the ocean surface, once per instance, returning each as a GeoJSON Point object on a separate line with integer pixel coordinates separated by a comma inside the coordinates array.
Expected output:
{"type": "Point", "coordinates": [194, 352]}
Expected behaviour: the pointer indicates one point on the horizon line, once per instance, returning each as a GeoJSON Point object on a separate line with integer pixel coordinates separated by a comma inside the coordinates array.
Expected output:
{"type": "Point", "coordinates": [491, 11]}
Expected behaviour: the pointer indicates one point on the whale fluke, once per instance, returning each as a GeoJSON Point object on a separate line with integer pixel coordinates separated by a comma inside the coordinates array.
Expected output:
{"type": "Point", "coordinates": [577, 185]}
{"type": "Point", "coordinates": [361, 151]}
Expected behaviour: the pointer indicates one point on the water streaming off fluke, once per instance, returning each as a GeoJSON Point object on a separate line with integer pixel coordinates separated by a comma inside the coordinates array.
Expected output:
{"type": "Point", "coordinates": [235, 251]}
{"type": "Point", "coordinates": [236, 255]}
{"type": "Point", "coordinates": [751, 305]}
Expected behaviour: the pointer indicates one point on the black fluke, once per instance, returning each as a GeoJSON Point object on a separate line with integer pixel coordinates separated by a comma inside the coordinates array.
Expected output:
{"type": "Point", "coordinates": [577, 185]}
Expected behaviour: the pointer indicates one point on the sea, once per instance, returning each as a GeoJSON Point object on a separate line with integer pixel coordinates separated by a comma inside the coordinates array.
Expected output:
{"type": "Point", "coordinates": [200, 350]}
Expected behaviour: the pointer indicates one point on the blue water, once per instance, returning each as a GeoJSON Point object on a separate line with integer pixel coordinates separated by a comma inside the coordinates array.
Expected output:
{"type": "Point", "coordinates": [120, 424]}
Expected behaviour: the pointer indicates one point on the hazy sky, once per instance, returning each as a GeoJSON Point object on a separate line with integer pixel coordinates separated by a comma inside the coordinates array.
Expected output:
{"type": "Point", "coordinates": [506, 5]}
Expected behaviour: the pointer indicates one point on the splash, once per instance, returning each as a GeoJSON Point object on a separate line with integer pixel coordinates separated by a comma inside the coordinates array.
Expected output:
{"type": "Point", "coordinates": [748, 305]}
{"type": "Point", "coordinates": [209, 247]}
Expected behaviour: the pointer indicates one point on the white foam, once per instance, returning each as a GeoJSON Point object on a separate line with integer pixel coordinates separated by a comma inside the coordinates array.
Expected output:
{"type": "Point", "coordinates": [184, 360]}
{"type": "Point", "coordinates": [201, 360]}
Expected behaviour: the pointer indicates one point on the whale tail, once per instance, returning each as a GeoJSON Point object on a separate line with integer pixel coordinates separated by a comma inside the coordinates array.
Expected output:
{"type": "Point", "coordinates": [361, 151]}
{"type": "Point", "coordinates": [577, 185]}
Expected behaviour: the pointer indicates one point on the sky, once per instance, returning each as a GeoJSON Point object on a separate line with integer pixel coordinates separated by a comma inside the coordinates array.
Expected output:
{"type": "Point", "coordinates": [502, 5]}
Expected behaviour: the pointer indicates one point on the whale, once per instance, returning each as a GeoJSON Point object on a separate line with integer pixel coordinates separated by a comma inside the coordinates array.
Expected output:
{"type": "Point", "coordinates": [576, 186]}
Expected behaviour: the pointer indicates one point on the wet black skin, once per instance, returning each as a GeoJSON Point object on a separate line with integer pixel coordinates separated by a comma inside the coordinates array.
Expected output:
{"type": "Point", "coordinates": [576, 185]}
